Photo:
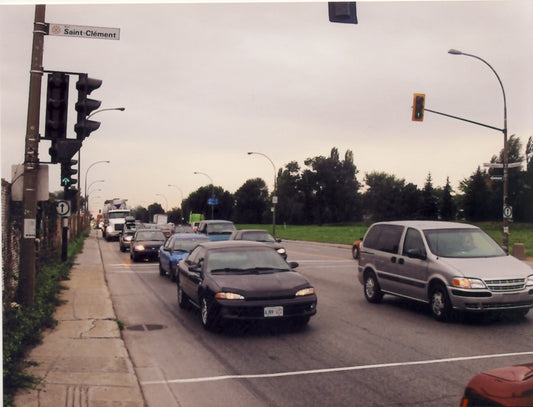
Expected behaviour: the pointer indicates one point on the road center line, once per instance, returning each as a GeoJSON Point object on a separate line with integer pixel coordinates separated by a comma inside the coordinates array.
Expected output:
{"type": "Point", "coordinates": [333, 370]}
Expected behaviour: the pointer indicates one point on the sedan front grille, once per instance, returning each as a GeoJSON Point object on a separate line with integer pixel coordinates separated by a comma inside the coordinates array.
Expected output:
{"type": "Point", "coordinates": [504, 285]}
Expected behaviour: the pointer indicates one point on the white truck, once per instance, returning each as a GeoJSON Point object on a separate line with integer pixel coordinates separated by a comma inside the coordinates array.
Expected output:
{"type": "Point", "coordinates": [114, 214]}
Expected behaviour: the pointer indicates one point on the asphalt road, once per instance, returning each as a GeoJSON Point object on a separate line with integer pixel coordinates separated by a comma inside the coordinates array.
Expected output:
{"type": "Point", "coordinates": [352, 353]}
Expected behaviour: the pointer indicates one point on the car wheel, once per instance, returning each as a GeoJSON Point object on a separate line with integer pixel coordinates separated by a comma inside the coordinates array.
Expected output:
{"type": "Point", "coordinates": [373, 292]}
{"type": "Point", "coordinates": [172, 274]}
{"type": "Point", "coordinates": [134, 257]}
{"type": "Point", "coordinates": [122, 249]}
{"type": "Point", "coordinates": [209, 319]}
{"type": "Point", "coordinates": [440, 303]}
{"type": "Point", "coordinates": [183, 300]}
{"type": "Point", "coordinates": [161, 271]}
{"type": "Point", "coordinates": [301, 322]}
{"type": "Point", "coordinates": [355, 252]}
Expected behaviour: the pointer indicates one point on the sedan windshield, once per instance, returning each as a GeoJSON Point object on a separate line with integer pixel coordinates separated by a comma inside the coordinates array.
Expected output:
{"type": "Point", "coordinates": [185, 245]}
{"type": "Point", "coordinates": [246, 260]}
{"type": "Point", "coordinates": [151, 235]}
{"type": "Point", "coordinates": [462, 243]}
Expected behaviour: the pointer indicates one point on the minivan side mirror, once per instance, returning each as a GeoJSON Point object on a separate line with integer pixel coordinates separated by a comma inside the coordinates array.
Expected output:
{"type": "Point", "coordinates": [417, 254]}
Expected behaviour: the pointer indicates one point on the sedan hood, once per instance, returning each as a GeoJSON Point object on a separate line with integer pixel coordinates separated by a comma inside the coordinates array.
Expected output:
{"type": "Point", "coordinates": [488, 267]}
{"type": "Point", "coordinates": [261, 285]}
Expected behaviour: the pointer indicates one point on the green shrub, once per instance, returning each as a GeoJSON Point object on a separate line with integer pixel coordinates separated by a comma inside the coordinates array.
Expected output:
{"type": "Point", "coordinates": [22, 328]}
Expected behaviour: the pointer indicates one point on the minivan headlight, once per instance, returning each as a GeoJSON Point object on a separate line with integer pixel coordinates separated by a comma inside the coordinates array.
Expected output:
{"type": "Point", "coordinates": [529, 281]}
{"type": "Point", "coordinates": [468, 283]}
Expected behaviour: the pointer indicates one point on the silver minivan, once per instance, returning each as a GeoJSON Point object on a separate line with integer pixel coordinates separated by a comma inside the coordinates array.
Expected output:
{"type": "Point", "coordinates": [451, 266]}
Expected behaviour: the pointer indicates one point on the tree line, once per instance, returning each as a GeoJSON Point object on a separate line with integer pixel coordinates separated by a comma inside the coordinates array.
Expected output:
{"type": "Point", "coordinates": [326, 190]}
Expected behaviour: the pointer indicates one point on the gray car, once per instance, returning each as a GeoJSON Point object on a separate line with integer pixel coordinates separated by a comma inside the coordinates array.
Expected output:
{"type": "Point", "coordinates": [260, 235]}
{"type": "Point", "coordinates": [451, 266]}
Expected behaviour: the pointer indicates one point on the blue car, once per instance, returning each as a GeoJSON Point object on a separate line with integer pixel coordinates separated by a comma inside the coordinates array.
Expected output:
{"type": "Point", "coordinates": [176, 248]}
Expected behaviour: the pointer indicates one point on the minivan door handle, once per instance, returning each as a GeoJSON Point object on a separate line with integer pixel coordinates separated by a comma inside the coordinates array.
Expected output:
{"type": "Point", "coordinates": [401, 261]}
{"type": "Point", "coordinates": [393, 259]}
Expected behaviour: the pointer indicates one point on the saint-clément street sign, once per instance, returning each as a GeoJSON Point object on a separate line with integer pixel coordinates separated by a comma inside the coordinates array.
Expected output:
{"type": "Point", "coordinates": [80, 31]}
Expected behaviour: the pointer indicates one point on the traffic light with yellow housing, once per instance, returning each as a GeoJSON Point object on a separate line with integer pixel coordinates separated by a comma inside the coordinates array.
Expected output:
{"type": "Point", "coordinates": [419, 99]}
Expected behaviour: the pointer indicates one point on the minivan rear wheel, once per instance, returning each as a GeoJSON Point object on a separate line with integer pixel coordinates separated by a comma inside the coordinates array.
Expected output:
{"type": "Point", "coordinates": [373, 292]}
{"type": "Point", "coordinates": [441, 307]}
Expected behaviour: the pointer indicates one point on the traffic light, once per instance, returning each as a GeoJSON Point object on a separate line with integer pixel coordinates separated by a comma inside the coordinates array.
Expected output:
{"type": "Point", "coordinates": [56, 106]}
{"type": "Point", "coordinates": [342, 12]}
{"type": "Point", "coordinates": [85, 106]}
{"type": "Point", "coordinates": [62, 150]}
{"type": "Point", "coordinates": [419, 99]}
{"type": "Point", "coordinates": [67, 172]}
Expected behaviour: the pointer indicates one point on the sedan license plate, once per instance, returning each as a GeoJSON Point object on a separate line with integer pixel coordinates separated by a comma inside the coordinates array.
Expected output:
{"type": "Point", "coordinates": [273, 312]}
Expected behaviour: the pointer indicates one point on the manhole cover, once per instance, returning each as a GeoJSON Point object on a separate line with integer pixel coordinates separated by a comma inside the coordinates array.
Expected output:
{"type": "Point", "coordinates": [145, 327]}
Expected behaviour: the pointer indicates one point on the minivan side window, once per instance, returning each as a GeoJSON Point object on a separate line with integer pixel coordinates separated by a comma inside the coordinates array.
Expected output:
{"type": "Point", "coordinates": [413, 241]}
{"type": "Point", "coordinates": [384, 237]}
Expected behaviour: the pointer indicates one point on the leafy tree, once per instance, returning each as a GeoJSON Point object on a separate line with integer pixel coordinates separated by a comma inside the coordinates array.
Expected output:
{"type": "Point", "coordinates": [476, 195]}
{"type": "Point", "coordinates": [251, 201]}
{"type": "Point", "coordinates": [175, 216]}
{"type": "Point", "coordinates": [154, 209]}
{"type": "Point", "coordinates": [141, 214]}
{"type": "Point", "coordinates": [290, 198]}
{"type": "Point", "coordinates": [198, 202]}
{"type": "Point", "coordinates": [382, 200]}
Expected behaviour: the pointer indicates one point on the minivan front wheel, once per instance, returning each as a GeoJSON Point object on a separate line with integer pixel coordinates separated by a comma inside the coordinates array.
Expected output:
{"type": "Point", "coordinates": [373, 292]}
{"type": "Point", "coordinates": [441, 307]}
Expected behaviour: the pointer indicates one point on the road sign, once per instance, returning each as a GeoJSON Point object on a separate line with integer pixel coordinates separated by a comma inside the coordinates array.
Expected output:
{"type": "Point", "coordinates": [80, 31]}
{"type": "Point", "coordinates": [508, 212]}
{"type": "Point", "coordinates": [212, 201]}
{"type": "Point", "coordinates": [500, 165]}
{"type": "Point", "coordinates": [63, 208]}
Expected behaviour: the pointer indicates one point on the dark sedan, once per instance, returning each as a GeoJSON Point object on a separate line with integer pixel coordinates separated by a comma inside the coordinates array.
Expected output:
{"type": "Point", "coordinates": [241, 280]}
{"type": "Point", "coordinates": [259, 235]}
{"type": "Point", "coordinates": [145, 244]}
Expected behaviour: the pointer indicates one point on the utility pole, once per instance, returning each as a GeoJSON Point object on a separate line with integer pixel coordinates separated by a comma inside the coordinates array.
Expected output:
{"type": "Point", "coordinates": [31, 163]}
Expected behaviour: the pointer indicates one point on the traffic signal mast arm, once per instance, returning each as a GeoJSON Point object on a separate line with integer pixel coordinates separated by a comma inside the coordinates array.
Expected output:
{"type": "Point", "coordinates": [463, 119]}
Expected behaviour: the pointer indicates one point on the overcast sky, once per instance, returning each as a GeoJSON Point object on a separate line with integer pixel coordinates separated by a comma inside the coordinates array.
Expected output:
{"type": "Point", "coordinates": [203, 84]}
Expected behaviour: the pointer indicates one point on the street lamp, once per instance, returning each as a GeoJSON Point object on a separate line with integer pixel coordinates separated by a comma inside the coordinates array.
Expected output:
{"type": "Point", "coordinates": [89, 192]}
{"type": "Point", "coordinates": [505, 238]}
{"type": "Point", "coordinates": [212, 191]}
{"type": "Point", "coordinates": [90, 166]}
{"type": "Point", "coordinates": [103, 110]}
{"type": "Point", "coordinates": [181, 204]}
{"type": "Point", "coordinates": [274, 197]}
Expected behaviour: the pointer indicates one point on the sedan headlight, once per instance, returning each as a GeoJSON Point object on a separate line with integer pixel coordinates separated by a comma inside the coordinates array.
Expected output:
{"type": "Point", "coordinates": [128, 238]}
{"type": "Point", "coordinates": [305, 291]}
{"type": "Point", "coordinates": [281, 250]}
{"type": "Point", "coordinates": [139, 247]}
{"type": "Point", "coordinates": [228, 296]}
{"type": "Point", "coordinates": [468, 283]}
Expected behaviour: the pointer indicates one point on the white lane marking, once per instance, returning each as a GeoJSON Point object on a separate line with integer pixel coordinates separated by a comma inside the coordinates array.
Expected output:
{"type": "Point", "coordinates": [333, 370]}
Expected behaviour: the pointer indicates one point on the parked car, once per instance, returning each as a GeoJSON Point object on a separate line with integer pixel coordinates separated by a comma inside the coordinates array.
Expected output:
{"type": "Point", "coordinates": [216, 229]}
{"type": "Point", "coordinates": [145, 244]}
{"type": "Point", "coordinates": [510, 386]}
{"type": "Point", "coordinates": [239, 280]}
{"type": "Point", "coordinates": [259, 235]}
{"type": "Point", "coordinates": [176, 248]}
{"type": "Point", "coordinates": [451, 266]}
{"type": "Point", "coordinates": [356, 246]}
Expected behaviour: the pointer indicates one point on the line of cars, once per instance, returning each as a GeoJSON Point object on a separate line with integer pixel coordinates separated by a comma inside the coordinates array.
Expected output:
{"type": "Point", "coordinates": [228, 274]}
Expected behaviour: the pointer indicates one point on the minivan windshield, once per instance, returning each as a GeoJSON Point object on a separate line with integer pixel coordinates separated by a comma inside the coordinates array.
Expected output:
{"type": "Point", "coordinates": [462, 243]}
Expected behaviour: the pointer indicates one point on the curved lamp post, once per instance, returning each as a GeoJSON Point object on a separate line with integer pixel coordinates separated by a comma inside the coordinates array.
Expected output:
{"type": "Point", "coordinates": [212, 191]}
{"type": "Point", "coordinates": [181, 203]}
{"type": "Point", "coordinates": [274, 197]}
{"type": "Point", "coordinates": [89, 192]}
{"type": "Point", "coordinates": [505, 239]}
{"type": "Point", "coordinates": [85, 183]}
{"type": "Point", "coordinates": [103, 110]}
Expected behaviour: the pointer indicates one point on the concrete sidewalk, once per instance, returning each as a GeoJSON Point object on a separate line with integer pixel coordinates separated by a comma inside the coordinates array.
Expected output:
{"type": "Point", "coordinates": [83, 361]}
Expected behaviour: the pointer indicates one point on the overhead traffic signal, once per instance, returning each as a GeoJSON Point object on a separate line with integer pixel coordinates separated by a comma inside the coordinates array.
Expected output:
{"type": "Point", "coordinates": [56, 106]}
{"type": "Point", "coordinates": [419, 100]}
{"type": "Point", "coordinates": [62, 150]}
{"type": "Point", "coordinates": [67, 172]}
{"type": "Point", "coordinates": [85, 106]}
{"type": "Point", "coordinates": [342, 12]}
